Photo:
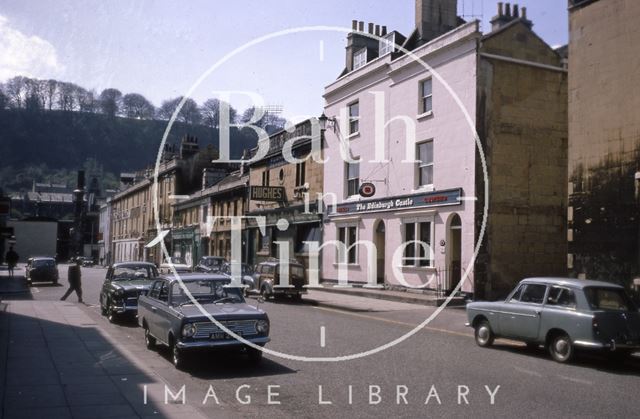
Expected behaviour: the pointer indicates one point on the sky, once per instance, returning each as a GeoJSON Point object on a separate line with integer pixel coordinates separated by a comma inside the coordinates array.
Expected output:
{"type": "Point", "coordinates": [161, 48]}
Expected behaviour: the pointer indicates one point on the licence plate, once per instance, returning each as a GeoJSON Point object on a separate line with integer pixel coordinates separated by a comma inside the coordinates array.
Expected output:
{"type": "Point", "coordinates": [223, 336]}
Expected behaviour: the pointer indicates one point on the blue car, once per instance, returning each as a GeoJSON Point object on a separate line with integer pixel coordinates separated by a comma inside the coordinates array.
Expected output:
{"type": "Point", "coordinates": [170, 317]}
{"type": "Point", "coordinates": [563, 315]}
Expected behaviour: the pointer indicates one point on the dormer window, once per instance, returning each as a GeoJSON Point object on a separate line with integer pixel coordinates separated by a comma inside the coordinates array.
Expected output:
{"type": "Point", "coordinates": [387, 45]}
{"type": "Point", "coordinates": [359, 58]}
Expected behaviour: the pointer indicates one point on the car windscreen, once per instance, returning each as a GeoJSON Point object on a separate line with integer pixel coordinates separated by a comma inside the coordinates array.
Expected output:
{"type": "Point", "coordinates": [297, 271]}
{"type": "Point", "coordinates": [213, 262]}
{"type": "Point", "coordinates": [127, 273]}
{"type": "Point", "coordinates": [43, 263]}
{"type": "Point", "coordinates": [205, 291]}
{"type": "Point", "coordinates": [603, 298]}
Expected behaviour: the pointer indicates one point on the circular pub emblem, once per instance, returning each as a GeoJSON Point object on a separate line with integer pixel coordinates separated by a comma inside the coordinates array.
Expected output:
{"type": "Point", "coordinates": [367, 189]}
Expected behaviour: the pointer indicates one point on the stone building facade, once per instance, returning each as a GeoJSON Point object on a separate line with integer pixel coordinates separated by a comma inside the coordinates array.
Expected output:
{"type": "Point", "coordinates": [298, 185]}
{"type": "Point", "coordinates": [604, 139]}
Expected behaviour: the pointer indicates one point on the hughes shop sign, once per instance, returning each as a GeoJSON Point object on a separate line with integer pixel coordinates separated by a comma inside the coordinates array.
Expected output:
{"type": "Point", "coordinates": [395, 203]}
{"type": "Point", "coordinates": [268, 193]}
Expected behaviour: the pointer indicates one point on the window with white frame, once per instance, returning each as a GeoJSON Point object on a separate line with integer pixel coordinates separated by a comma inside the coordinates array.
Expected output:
{"type": "Point", "coordinates": [352, 178]}
{"type": "Point", "coordinates": [416, 235]}
{"type": "Point", "coordinates": [424, 163]}
{"type": "Point", "coordinates": [359, 58]}
{"type": "Point", "coordinates": [387, 44]}
{"type": "Point", "coordinates": [426, 96]}
{"type": "Point", "coordinates": [348, 253]}
{"type": "Point", "coordinates": [354, 118]}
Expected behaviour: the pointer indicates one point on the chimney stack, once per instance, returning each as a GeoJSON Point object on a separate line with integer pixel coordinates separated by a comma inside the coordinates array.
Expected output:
{"type": "Point", "coordinates": [357, 40]}
{"type": "Point", "coordinates": [435, 18]}
{"type": "Point", "coordinates": [377, 31]}
{"type": "Point", "coordinates": [354, 25]}
{"type": "Point", "coordinates": [507, 15]}
{"type": "Point", "coordinates": [384, 31]}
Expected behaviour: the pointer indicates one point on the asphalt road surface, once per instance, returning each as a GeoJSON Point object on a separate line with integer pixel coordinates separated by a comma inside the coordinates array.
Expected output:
{"type": "Point", "coordinates": [437, 372]}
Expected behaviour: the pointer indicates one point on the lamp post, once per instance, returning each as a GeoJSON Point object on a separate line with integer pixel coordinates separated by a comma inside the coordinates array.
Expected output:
{"type": "Point", "coordinates": [78, 198]}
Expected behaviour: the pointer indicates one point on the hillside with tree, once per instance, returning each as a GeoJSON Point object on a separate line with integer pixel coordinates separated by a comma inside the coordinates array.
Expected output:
{"type": "Point", "coordinates": [49, 129]}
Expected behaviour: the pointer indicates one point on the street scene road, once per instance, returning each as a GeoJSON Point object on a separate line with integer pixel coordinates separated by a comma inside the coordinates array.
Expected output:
{"type": "Point", "coordinates": [439, 365]}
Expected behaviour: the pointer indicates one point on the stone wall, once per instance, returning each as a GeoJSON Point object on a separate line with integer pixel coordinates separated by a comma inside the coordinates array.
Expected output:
{"type": "Point", "coordinates": [523, 113]}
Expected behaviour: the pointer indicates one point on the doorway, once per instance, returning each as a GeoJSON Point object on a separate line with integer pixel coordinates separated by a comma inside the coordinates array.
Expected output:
{"type": "Point", "coordinates": [454, 252]}
{"type": "Point", "coordinates": [379, 240]}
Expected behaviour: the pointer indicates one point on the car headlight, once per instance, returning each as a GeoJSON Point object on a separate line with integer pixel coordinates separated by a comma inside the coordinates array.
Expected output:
{"type": "Point", "coordinates": [262, 326]}
{"type": "Point", "coordinates": [119, 292]}
{"type": "Point", "coordinates": [188, 330]}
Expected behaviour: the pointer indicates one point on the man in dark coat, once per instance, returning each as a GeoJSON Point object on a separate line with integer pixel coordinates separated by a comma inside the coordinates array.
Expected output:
{"type": "Point", "coordinates": [74, 275]}
{"type": "Point", "coordinates": [12, 260]}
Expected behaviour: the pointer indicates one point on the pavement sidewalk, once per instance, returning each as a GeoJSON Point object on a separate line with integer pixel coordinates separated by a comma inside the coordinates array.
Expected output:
{"type": "Point", "coordinates": [57, 363]}
{"type": "Point", "coordinates": [364, 299]}
{"type": "Point", "coordinates": [16, 285]}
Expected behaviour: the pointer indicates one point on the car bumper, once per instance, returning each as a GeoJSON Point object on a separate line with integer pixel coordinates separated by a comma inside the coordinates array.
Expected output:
{"type": "Point", "coordinates": [210, 344]}
{"type": "Point", "coordinates": [610, 346]}
{"type": "Point", "coordinates": [126, 309]}
{"type": "Point", "coordinates": [289, 291]}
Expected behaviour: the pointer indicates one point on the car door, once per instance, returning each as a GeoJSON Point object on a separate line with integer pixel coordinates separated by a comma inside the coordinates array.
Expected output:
{"type": "Point", "coordinates": [163, 313]}
{"type": "Point", "coordinates": [520, 318]}
{"type": "Point", "coordinates": [147, 307]}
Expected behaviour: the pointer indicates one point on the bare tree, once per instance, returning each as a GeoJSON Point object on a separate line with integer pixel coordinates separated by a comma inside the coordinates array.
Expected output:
{"type": "Point", "coordinates": [86, 99]}
{"type": "Point", "coordinates": [134, 105]}
{"type": "Point", "coordinates": [189, 113]}
{"type": "Point", "coordinates": [16, 91]}
{"type": "Point", "coordinates": [50, 89]}
{"type": "Point", "coordinates": [67, 96]}
{"type": "Point", "coordinates": [4, 100]}
{"type": "Point", "coordinates": [210, 111]}
{"type": "Point", "coordinates": [110, 101]}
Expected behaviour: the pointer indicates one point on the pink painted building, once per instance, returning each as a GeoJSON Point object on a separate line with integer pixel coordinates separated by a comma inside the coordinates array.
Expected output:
{"type": "Point", "coordinates": [408, 110]}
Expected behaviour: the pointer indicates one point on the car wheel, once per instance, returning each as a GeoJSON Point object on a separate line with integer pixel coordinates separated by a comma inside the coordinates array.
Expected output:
{"type": "Point", "coordinates": [255, 355]}
{"type": "Point", "coordinates": [561, 348]}
{"type": "Point", "coordinates": [177, 356]}
{"type": "Point", "coordinates": [149, 340]}
{"type": "Point", "coordinates": [112, 316]}
{"type": "Point", "coordinates": [483, 334]}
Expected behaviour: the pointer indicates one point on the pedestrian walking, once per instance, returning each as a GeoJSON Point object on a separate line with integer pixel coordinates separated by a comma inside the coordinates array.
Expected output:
{"type": "Point", "coordinates": [12, 260]}
{"type": "Point", "coordinates": [74, 275]}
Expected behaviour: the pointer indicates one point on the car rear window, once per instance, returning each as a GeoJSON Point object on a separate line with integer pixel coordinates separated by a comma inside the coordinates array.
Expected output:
{"type": "Point", "coordinates": [602, 298]}
{"type": "Point", "coordinates": [42, 263]}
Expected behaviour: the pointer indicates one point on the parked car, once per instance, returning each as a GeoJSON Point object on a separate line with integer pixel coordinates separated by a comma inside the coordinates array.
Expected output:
{"type": "Point", "coordinates": [210, 264]}
{"type": "Point", "coordinates": [85, 261]}
{"type": "Point", "coordinates": [169, 316]}
{"type": "Point", "coordinates": [246, 272]}
{"type": "Point", "coordinates": [123, 284]}
{"type": "Point", "coordinates": [42, 269]}
{"type": "Point", "coordinates": [178, 264]}
{"type": "Point", "coordinates": [563, 314]}
{"type": "Point", "coordinates": [267, 280]}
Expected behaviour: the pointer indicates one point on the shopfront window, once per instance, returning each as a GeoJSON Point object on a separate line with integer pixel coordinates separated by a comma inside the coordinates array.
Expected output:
{"type": "Point", "coordinates": [348, 236]}
{"type": "Point", "coordinates": [416, 254]}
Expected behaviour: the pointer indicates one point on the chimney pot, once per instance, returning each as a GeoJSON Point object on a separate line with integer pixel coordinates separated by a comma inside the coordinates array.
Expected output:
{"type": "Point", "coordinates": [354, 25]}
{"type": "Point", "coordinates": [377, 30]}
{"type": "Point", "coordinates": [384, 31]}
{"type": "Point", "coordinates": [361, 26]}
{"type": "Point", "coordinates": [507, 9]}
{"type": "Point", "coordinates": [500, 8]}
{"type": "Point", "coordinates": [516, 12]}
{"type": "Point", "coordinates": [371, 28]}
{"type": "Point", "coordinates": [523, 12]}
